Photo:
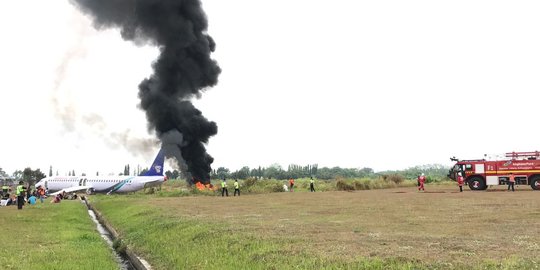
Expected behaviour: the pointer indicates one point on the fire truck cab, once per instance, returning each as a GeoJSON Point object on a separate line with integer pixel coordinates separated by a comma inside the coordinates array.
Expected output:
{"type": "Point", "coordinates": [481, 173]}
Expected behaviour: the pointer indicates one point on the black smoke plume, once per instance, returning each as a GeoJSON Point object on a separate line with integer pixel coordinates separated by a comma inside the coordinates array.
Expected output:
{"type": "Point", "coordinates": [182, 71]}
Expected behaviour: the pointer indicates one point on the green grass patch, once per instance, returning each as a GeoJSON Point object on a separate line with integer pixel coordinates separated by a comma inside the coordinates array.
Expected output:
{"type": "Point", "coordinates": [52, 236]}
{"type": "Point", "coordinates": [182, 243]}
{"type": "Point", "coordinates": [376, 229]}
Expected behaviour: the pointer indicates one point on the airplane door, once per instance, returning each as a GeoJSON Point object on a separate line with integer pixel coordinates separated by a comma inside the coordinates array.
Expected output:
{"type": "Point", "coordinates": [46, 184]}
{"type": "Point", "coordinates": [84, 182]}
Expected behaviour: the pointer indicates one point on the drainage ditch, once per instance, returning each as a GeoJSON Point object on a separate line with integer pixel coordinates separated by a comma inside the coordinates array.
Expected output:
{"type": "Point", "coordinates": [126, 259]}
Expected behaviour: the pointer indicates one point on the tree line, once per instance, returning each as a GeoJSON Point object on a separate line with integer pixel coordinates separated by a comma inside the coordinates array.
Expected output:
{"type": "Point", "coordinates": [27, 175]}
{"type": "Point", "coordinates": [275, 171]}
{"type": "Point", "coordinates": [434, 172]}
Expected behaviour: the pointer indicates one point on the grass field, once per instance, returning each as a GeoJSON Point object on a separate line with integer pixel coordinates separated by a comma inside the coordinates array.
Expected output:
{"type": "Point", "coordinates": [52, 236]}
{"type": "Point", "coordinates": [397, 228]}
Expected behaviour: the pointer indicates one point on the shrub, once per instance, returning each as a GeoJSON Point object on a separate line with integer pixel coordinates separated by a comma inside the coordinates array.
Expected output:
{"type": "Point", "coordinates": [396, 178]}
{"type": "Point", "coordinates": [250, 182]}
{"type": "Point", "coordinates": [343, 185]}
{"type": "Point", "coordinates": [361, 185]}
{"type": "Point", "coordinates": [277, 187]}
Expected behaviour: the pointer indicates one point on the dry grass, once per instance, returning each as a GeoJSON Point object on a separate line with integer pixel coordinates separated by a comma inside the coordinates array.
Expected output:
{"type": "Point", "coordinates": [438, 226]}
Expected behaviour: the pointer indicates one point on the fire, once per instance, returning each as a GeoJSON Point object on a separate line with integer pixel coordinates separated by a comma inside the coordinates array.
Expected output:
{"type": "Point", "coordinates": [201, 186]}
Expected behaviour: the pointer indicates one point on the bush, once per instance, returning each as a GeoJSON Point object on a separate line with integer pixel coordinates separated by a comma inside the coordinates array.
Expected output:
{"type": "Point", "coordinates": [396, 178]}
{"type": "Point", "coordinates": [343, 185]}
{"type": "Point", "coordinates": [250, 182]}
{"type": "Point", "coordinates": [361, 185]}
{"type": "Point", "coordinates": [277, 187]}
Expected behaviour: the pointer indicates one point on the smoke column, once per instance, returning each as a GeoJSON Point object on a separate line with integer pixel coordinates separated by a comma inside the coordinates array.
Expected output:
{"type": "Point", "coordinates": [182, 71]}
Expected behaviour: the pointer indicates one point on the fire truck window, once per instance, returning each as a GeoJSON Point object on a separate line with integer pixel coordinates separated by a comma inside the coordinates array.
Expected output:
{"type": "Point", "coordinates": [468, 167]}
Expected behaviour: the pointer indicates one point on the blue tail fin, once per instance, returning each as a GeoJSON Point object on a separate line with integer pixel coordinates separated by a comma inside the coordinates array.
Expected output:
{"type": "Point", "coordinates": [157, 166]}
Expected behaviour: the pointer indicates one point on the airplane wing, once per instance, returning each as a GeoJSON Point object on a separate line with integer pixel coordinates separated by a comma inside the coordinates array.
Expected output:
{"type": "Point", "coordinates": [71, 189]}
{"type": "Point", "coordinates": [151, 183]}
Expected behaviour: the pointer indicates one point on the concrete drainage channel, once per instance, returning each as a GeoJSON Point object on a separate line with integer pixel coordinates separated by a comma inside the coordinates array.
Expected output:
{"type": "Point", "coordinates": [127, 260]}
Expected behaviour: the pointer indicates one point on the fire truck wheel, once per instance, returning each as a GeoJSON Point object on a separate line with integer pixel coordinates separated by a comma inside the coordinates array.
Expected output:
{"type": "Point", "coordinates": [477, 183]}
{"type": "Point", "coordinates": [535, 182]}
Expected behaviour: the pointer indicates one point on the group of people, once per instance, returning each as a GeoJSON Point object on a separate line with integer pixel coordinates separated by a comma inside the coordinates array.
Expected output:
{"type": "Point", "coordinates": [422, 180]}
{"type": "Point", "coordinates": [64, 196]}
{"type": "Point", "coordinates": [460, 180]}
{"type": "Point", "coordinates": [25, 195]}
{"type": "Point", "coordinates": [22, 195]}
{"type": "Point", "coordinates": [311, 185]}
{"type": "Point", "coordinates": [225, 191]}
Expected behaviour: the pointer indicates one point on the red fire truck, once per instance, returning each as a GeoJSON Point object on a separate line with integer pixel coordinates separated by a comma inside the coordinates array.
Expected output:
{"type": "Point", "coordinates": [481, 173]}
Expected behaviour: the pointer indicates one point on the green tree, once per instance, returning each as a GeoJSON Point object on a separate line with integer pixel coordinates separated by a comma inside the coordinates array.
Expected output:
{"type": "Point", "coordinates": [3, 173]}
{"type": "Point", "coordinates": [18, 174]}
{"type": "Point", "coordinates": [32, 176]}
{"type": "Point", "coordinates": [275, 171]}
{"type": "Point", "coordinates": [223, 172]}
{"type": "Point", "coordinates": [242, 173]}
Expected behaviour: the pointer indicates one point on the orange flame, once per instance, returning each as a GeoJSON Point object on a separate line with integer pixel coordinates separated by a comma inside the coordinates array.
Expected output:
{"type": "Point", "coordinates": [201, 186]}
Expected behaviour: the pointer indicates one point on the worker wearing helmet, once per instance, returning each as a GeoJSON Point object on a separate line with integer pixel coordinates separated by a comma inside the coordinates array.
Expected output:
{"type": "Point", "coordinates": [460, 182]}
{"type": "Point", "coordinates": [421, 181]}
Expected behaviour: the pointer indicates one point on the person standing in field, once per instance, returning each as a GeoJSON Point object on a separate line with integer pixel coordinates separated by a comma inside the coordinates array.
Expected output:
{"type": "Point", "coordinates": [236, 187]}
{"type": "Point", "coordinates": [291, 184]}
{"type": "Point", "coordinates": [41, 193]}
{"type": "Point", "coordinates": [460, 182]}
{"type": "Point", "coordinates": [311, 185]}
{"type": "Point", "coordinates": [20, 195]}
{"type": "Point", "coordinates": [224, 190]}
{"type": "Point", "coordinates": [421, 181]}
{"type": "Point", "coordinates": [511, 181]}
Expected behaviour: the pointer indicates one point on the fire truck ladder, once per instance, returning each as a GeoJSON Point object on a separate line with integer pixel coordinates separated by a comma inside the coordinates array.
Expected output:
{"type": "Point", "coordinates": [524, 155]}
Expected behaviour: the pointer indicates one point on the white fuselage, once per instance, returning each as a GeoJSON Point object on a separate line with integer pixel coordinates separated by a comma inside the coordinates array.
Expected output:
{"type": "Point", "coordinates": [107, 184]}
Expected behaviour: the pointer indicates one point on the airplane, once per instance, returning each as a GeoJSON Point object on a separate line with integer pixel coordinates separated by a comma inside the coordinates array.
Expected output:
{"type": "Point", "coordinates": [106, 184]}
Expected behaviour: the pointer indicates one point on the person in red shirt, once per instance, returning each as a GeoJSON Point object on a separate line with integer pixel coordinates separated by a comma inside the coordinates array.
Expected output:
{"type": "Point", "coordinates": [421, 181]}
{"type": "Point", "coordinates": [291, 184]}
{"type": "Point", "coordinates": [460, 182]}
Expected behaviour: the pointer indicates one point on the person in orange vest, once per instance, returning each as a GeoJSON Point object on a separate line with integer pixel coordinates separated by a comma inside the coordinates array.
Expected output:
{"type": "Point", "coordinates": [41, 193]}
{"type": "Point", "coordinates": [511, 181]}
{"type": "Point", "coordinates": [291, 184]}
{"type": "Point", "coordinates": [421, 181]}
{"type": "Point", "coordinates": [460, 182]}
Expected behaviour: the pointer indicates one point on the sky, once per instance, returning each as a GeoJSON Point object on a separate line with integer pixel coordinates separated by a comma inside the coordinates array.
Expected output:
{"type": "Point", "coordinates": [380, 84]}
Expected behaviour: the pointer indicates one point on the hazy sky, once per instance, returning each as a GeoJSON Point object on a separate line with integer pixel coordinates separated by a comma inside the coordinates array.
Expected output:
{"type": "Point", "coordinates": [380, 84]}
